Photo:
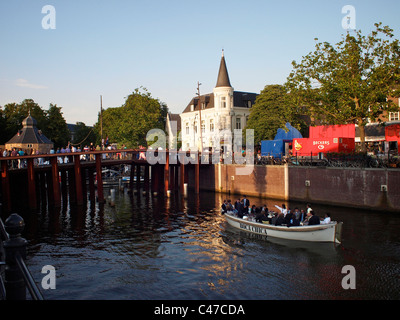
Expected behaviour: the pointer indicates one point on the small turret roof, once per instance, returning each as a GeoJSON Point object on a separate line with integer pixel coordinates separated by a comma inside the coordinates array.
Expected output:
{"type": "Point", "coordinates": [223, 76]}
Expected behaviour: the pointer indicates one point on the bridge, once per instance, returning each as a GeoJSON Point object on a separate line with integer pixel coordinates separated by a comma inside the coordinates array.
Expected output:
{"type": "Point", "coordinates": [47, 176]}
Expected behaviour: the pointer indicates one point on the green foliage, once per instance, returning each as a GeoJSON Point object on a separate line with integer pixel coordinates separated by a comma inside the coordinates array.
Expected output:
{"type": "Point", "coordinates": [271, 112]}
{"type": "Point", "coordinates": [56, 129]}
{"type": "Point", "coordinates": [130, 123]}
{"type": "Point", "coordinates": [348, 82]}
{"type": "Point", "coordinates": [51, 122]}
{"type": "Point", "coordinates": [84, 135]}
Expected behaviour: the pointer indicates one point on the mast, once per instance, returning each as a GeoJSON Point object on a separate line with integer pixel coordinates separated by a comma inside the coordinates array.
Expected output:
{"type": "Point", "coordinates": [201, 134]}
{"type": "Point", "coordinates": [101, 121]}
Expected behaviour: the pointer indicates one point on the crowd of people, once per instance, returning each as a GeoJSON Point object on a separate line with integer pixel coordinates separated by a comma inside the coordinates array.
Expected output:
{"type": "Point", "coordinates": [284, 216]}
{"type": "Point", "coordinates": [62, 152]}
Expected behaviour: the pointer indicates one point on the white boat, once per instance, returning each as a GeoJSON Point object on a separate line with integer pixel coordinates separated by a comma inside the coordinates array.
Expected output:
{"type": "Point", "coordinates": [316, 233]}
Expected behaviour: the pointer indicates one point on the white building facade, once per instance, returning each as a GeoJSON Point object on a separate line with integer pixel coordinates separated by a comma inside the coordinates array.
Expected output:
{"type": "Point", "coordinates": [223, 110]}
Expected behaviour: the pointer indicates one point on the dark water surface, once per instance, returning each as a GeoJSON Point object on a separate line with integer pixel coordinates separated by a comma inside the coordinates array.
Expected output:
{"type": "Point", "coordinates": [149, 247]}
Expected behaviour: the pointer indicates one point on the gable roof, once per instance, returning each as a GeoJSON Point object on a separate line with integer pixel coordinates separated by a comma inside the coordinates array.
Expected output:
{"type": "Point", "coordinates": [208, 99]}
{"type": "Point", "coordinates": [175, 117]}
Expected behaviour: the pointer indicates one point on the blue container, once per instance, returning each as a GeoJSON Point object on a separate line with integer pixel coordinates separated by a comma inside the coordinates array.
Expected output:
{"type": "Point", "coordinates": [275, 148]}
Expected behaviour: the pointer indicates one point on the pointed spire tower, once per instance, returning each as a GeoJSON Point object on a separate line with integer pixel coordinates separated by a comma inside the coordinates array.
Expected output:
{"type": "Point", "coordinates": [223, 76]}
{"type": "Point", "coordinates": [223, 97]}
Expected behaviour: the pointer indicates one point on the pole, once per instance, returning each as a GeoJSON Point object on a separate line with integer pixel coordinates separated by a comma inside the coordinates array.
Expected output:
{"type": "Point", "coordinates": [201, 134]}
{"type": "Point", "coordinates": [101, 120]}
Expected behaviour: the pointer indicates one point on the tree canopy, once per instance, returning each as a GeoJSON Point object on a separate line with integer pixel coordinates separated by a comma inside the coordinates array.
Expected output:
{"type": "Point", "coordinates": [130, 123]}
{"type": "Point", "coordinates": [51, 121]}
{"type": "Point", "coordinates": [348, 82]}
{"type": "Point", "coordinates": [271, 112]}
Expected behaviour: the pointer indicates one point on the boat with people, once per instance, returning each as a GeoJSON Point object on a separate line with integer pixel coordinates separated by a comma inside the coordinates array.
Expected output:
{"type": "Point", "coordinates": [330, 232]}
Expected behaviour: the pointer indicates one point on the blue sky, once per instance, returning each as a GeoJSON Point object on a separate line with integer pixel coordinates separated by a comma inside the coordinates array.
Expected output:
{"type": "Point", "coordinates": [109, 48]}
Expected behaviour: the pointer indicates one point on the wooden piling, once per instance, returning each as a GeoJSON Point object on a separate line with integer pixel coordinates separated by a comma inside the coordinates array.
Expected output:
{"type": "Point", "coordinates": [5, 181]}
{"type": "Point", "coordinates": [100, 194]}
{"type": "Point", "coordinates": [78, 180]}
{"type": "Point", "coordinates": [166, 174]}
{"type": "Point", "coordinates": [56, 182]}
{"type": "Point", "coordinates": [31, 185]}
{"type": "Point", "coordinates": [182, 179]}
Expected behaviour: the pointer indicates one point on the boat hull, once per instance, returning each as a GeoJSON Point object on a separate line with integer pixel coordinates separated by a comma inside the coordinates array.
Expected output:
{"type": "Point", "coordinates": [318, 233]}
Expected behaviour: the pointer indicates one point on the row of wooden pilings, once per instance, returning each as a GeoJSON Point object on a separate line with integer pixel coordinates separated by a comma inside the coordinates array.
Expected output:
{"type": "Point", "coordinates": [32, 183]}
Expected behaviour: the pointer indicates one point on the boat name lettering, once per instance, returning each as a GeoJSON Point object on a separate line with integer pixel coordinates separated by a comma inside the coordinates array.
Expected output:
{"type": "Point", "coordinates": [252, 228]}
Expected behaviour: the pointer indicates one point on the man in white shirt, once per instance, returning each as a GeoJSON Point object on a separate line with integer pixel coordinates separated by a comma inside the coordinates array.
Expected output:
{"type": "Point", "coordinates": [327, 219]}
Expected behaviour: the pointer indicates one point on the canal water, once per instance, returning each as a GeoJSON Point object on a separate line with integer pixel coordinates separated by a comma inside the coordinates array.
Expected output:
{"type": "Point", "coordinates": [156, 248]}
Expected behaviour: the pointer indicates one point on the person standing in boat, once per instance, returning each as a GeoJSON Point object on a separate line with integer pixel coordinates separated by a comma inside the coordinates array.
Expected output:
{"type": "Point", "coordinates": [282, 209]}
{"type": "Point", "coordinates": [246, 204]}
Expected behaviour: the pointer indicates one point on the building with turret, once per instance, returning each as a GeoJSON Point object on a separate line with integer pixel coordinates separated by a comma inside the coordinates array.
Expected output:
{"type": "Point", "coordinates": [30, 138]}
{"type": "Point", "coordinates": [207, 115]}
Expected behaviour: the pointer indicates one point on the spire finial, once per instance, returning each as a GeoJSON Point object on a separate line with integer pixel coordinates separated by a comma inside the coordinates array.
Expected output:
{"type": "Point", "coordinates": [223, 52]}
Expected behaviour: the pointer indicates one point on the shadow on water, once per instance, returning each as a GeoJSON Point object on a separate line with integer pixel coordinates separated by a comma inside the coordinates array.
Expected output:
{"type": "Point", "coordinates": [153, 247]}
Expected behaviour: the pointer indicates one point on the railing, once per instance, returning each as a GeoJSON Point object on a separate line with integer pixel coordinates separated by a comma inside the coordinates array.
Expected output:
{"type": "Point", "coordinates": [21, 162]}
{"type": "Point", "coordinates": [17, 277]}
{"type": "Point", "coordinates": [336, 160]}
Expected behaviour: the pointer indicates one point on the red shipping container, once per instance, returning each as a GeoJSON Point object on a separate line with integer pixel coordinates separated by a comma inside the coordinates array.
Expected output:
{"type": "Point", "coordinates": [392, 132]}
{"type": "Point", "coordinates": [325, 132]}
{"type": "Point", "coordinates": [306, 146]}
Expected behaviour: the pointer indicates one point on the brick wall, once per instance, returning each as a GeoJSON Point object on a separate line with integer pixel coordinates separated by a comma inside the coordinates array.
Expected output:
{"type": "Point", "coordinates": [335, 186]}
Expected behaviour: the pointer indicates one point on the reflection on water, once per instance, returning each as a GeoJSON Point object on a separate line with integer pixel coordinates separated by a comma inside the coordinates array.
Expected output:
{"type": "Point", "coordinates": [172, 248]}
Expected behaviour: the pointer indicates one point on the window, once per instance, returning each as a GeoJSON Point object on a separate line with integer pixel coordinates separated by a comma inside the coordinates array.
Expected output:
{"type": "Point", "coordinates": [203, 126]}
{"type": "Point", "coordinates": [248, 104]}
{"type": "Point", "coordinates": [238, 123]}
{"type": "Point", "coordinates": [223, 102]}
{"type": "Point", "coordinates": [203, 105]}
{"type": "Point", "coordinates": [187, 128]}
{"type": "Point", "coordinates": [195, 127]}
{"type": "Point", "coordinates": [394, 116]}
{"type": "Point", "coordinates": [211, 125]}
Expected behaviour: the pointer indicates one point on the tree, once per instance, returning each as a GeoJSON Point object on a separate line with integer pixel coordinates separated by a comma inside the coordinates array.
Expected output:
{"type": "Point", "coordinates": [14, 114]}
{"type": "Point", "coordinates": [271, 112]}
{"type": "Point", "coordinates": [130, 123]}
{"type": "Point", "coordinates": [349, 82]}
{"type": "Point", "coordinates": [56, 128]}
{"type": "Point", "coordinates": [50, 122]}
{"type": "Point", "coordinates": [84, 135]}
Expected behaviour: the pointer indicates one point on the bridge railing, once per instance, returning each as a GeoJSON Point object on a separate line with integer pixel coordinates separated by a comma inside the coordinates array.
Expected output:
{"type": "Point", "coordinates": [15, 276]}
{"type": "Point", "coordinates": [39, 160]}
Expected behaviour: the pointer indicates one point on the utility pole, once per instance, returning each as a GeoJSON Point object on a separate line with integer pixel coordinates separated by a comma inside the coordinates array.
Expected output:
{"type": "Point", "coordinates": [201, 134]}
{"type": "Point", "coordinates": [101, 121]}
